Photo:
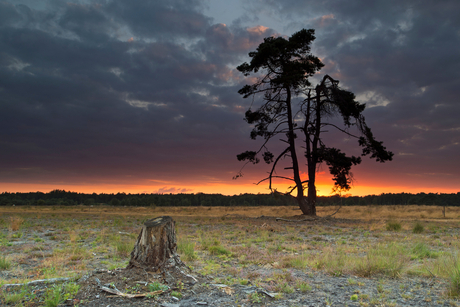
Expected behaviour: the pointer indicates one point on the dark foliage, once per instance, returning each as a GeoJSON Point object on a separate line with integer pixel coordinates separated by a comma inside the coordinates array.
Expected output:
{"type": "Point", "coordinates": [67, 198]}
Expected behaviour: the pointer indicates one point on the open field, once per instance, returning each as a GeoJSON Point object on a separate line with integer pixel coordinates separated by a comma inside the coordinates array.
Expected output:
{"type": "Point", "coordinates": [373, 256]}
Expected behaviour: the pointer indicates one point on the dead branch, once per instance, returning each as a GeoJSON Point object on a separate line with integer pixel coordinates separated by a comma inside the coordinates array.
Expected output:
{"type": "Point", "coordinates": [307, 219]}
{"type": "Point", "coordinates": [119, 293]}
{"type": "Point", "coordinates": [327, 216]}
{"type": "Point", "coordinates": [37, 282]}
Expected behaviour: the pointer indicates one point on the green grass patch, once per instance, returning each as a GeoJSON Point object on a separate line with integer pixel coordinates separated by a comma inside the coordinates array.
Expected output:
{"type": "Point", "coordinates": [156, 286]}
{"type": "Point", "coordinates": [454, 277]}
{"type": "Point", "coordinates": [60, 293]}
{"type": "Point", "coordinates": [421, 251]}
{"type": "Point", "coordinates": [388, 259]}
{"type": "Point", "coordinates": [124, 247]}
{"type": "Point", "coordinates": [218, 250]}
{"type": "Point", "coordinates": [303, 286]}
{"type": "Point", "coordinates": [187, 250]}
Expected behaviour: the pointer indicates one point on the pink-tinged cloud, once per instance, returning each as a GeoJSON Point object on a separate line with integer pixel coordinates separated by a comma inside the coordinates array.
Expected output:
{"type": "Point", "coordinates": [325, 21]}
{"type": "Point", "coordinates": [173, 190]}
{"type": "Point", "coordinates": [258, 30]}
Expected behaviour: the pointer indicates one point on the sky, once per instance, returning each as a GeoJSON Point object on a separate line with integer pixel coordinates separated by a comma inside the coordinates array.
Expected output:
{"type": "Point", "coordinates": [141, 96]}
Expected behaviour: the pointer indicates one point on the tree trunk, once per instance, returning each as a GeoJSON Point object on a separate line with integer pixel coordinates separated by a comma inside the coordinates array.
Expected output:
{"type": "Point", "coordinates": [156, 246]}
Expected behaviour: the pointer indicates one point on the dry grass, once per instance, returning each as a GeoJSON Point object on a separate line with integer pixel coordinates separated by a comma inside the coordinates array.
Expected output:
{"type": "Point", "coordinates": [68, 241]}
{"type": "Point", "coordinates": [15, 223]}
{"type": "Point", "coordinates": [349, 212]}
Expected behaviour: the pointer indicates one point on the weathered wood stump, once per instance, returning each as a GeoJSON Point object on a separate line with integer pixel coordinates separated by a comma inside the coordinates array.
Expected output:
{"type": "Point", "coordinates": [156, 246]}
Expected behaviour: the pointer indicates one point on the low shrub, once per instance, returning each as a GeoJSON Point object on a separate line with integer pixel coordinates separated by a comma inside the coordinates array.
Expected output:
{"type": "Point", "coordinates": [393, 226]}
{"type": "Point", "coordinates": [418, 228]}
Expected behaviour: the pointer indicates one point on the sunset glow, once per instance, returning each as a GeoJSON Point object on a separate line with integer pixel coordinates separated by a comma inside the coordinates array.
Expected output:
{"type": "Point", "coordinates": [143, 97]}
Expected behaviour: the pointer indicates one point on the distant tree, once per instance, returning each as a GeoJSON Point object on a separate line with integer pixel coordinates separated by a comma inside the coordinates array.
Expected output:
{"type": "Point", "coordinates": [286, 65]}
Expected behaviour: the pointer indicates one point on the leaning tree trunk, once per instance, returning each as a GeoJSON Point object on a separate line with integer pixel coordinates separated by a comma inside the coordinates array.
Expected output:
{"type": "Point", "coordinates": [156, 246]}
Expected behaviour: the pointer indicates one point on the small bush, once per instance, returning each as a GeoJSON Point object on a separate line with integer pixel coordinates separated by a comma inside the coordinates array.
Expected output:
{"type": "Point", "coordinates": [418, 228]}
{"type": "Point", "coordinates": [393, 226]}
{"type": "Point", "coordinates": [218, 250]}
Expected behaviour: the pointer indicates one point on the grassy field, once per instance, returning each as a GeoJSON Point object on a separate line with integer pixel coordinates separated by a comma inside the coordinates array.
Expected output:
{"type": "Point", "coordinates": [388, 241]}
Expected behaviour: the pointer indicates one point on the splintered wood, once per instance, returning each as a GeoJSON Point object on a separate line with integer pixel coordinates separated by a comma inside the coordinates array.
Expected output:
{"type": "Point", "coordinates": [156, 245]}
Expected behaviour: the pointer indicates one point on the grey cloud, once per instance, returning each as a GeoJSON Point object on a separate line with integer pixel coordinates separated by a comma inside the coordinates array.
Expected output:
{"type": "Point", "coordinates": [80, 100]}
{"type": "Point", "coordinates": [161, 19]}
{"type": "Point", "coordinates": [148, 89]}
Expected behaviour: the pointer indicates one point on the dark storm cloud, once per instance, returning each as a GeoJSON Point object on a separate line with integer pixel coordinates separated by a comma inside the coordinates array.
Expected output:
{"type": "Point", "coordinates": [120, 89]}
{"type": "Point", "coordinates": [116, 91]}
{"type": "Point", "coordinates": [161, 19]}
{"type": "Point", "coordinates": [400, 57]}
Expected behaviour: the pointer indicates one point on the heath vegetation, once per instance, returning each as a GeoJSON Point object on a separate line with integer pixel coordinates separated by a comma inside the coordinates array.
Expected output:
{"type": "Point", "coordinates": [233, 245]}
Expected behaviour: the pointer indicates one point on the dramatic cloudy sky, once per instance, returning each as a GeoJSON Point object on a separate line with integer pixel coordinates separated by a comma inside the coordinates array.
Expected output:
{"type": "Point", "coordinates": [141, 95]}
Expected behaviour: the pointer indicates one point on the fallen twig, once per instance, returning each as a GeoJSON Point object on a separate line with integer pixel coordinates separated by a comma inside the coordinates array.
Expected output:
{"type": "Point", "coordinates": [286, 220]}
{"type": "Point", "coordinates": [37, 282]}
{"type": "Point", "coordinates": [271, 295]}
{"type": "Point", "coordinates": [119, 293]}
{"type": "Point", "coordinates": [333, 213]}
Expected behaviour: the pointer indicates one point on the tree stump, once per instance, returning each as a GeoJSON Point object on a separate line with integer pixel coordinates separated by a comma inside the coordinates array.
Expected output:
{"type": "Point", "coordinates": [156, 246]}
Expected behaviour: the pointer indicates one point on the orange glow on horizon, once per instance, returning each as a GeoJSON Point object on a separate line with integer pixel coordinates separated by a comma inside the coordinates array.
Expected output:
{"type": "Point", "coordinates": [225, 189]}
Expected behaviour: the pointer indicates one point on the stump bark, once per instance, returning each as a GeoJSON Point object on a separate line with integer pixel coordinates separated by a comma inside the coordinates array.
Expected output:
{"type": "Point", "coordinates": [156, 246]}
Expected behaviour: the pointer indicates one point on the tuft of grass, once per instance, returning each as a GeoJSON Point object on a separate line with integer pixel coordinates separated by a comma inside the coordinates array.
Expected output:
{"type": "Point", "coordinates": [53, 296]}
{"type": "Point", "coordinates": [418, 228]}
{"type": "Point", "coordinates": [393, 226]}
{"type": "Point", "coordinates": [388, 259]}
{"type": "Point", "coordinates": [79, 253]}
{"type": "Point", "coordinates": [60, 293]}
{"type": "Point", "coordinates": [334, 262]}
{"type": "Point", "coordinates": [421, 250]}
{"type": "Point", "coordinates": [284, 287]}
{"type": "Point", "coordinates": [255, 298]}
{"type": "Point", "coordinates": [156, 286]}
{"type": "Point", "coordinates": [124, 248]}
{"type": "Point", "coordinates": [303, 286]}
{"type": "Point", "coordinates": [187, 250]}
{"type": "Point", "coordinates": [298, 262]}
{"type": "Point", "coordinates": [176, 294]}
{"type": "Point", "coordinates": [5, 264]}
{"type": "Point", "coordinates": [218, 250]}
{"type": "Point", "coordinates": [454, 278]}
{"type": "Point", "coordinates": [14, 298]}
{"type": "Point", "coordinates": [15, 223]}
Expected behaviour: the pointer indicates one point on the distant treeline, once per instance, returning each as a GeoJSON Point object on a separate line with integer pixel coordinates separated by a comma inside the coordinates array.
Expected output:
{"type": "Point", "coordinates": [66, 198]}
